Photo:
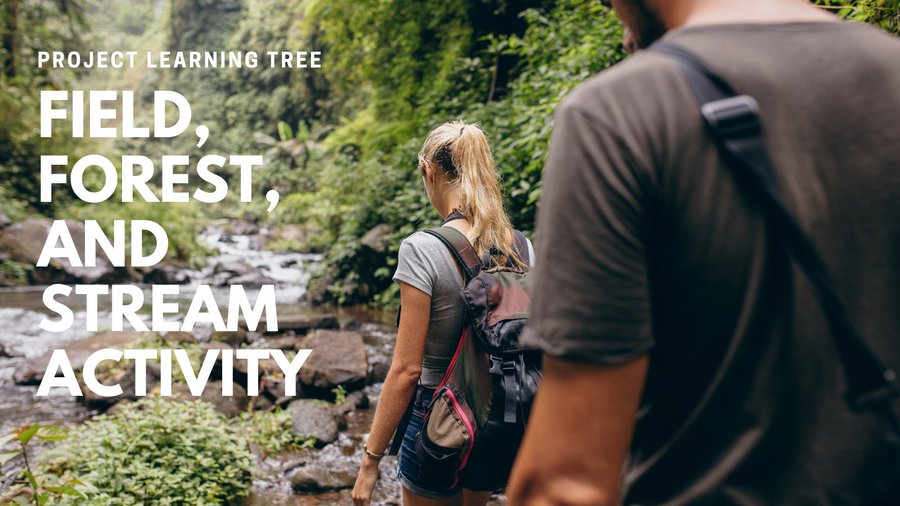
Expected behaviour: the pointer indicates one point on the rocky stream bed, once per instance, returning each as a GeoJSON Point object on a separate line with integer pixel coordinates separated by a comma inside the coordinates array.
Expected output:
{"type": "Point", "coordinates": [351, 348]}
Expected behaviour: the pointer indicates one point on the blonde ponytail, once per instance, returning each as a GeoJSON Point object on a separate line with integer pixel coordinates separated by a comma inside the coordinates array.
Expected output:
{"type": "Point", "coordinates": [462, 151]}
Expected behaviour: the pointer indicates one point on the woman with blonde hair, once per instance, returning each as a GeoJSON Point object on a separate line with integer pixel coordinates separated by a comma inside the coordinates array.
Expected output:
{"type": "Point", "coordinates": [461, 181]}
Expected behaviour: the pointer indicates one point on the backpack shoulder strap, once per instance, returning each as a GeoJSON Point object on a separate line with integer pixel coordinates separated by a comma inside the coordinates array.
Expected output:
{"type": "Point", "coordinates": [734, 122]}
{"type": "Point", "coordinates": [521, 246]}
{"type": "Point", "coordinates": [460, 248]}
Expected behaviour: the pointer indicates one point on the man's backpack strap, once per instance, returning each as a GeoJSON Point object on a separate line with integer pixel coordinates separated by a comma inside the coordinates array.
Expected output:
{"type": "Point", "coordinates": [460, 248]}
{"type": "Point", "coordinates": [734, 122]}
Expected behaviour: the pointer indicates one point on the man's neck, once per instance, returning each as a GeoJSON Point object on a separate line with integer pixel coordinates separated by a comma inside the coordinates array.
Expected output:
{"type": "Point", "coordinates": [718, 12]}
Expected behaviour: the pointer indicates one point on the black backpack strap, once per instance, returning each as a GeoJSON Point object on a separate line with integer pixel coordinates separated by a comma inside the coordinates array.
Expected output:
{"type": "Point", "coordinates": [521, 245]}
{"type": "Point", "coordinates": [461, 249]}
{"type": "Point", "coordinates": [734, 122]}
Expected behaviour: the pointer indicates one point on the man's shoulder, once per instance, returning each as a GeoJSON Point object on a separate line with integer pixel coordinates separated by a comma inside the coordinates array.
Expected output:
{"type": "Point", "coordinates": [632, 81]}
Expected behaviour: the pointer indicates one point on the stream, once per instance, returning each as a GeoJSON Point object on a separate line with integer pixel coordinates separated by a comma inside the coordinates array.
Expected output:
{"type": "Point", "coordinates": [21, 310]}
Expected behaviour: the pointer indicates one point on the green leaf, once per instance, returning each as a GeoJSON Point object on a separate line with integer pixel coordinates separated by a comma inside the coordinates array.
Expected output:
{"type": "Point", "coordinates": [26, 435]}
{"type": "Point", "coordinates": [30, 478]}
{"type": "Point", "coordinates": [67, 490]}
{"type": "Point", "coordinates": [7, 456]}
{"type": "Point", "coordinates": [51, 433]}
{"type": "Point", "coordinates": [284, 131]}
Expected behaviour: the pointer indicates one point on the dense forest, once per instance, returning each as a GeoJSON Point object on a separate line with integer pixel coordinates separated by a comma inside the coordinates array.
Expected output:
{"type": "Point", "coordinates": [340, 142]}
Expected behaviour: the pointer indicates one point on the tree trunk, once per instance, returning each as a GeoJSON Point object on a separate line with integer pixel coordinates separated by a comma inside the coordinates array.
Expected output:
{"type": "Point", "coordinates": [10, 35]}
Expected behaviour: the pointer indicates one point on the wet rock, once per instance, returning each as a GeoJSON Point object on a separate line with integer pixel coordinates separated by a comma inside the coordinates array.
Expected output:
{"type": "Point", "coordinates": [379, 366]}
{"type": "Point", "coordinates": [3, 352]}
{"type": "Point", "coordinates": [299, 324]}
{"type": "Point", "coordinates": [319, 479]}
{"type": "Point", "coordinates": [287, 342]}
{"type": "Point", "coordinates": [315, 419]}
{"type": "Point", "coordinates": [228, 406]}
{"type": "Point", "coordinates": [242, 228]}
{"type": "Point", "coordinates": [4, 221]}
{"type": "Point", "coordinates": [24, 240]}
{"type": "Point", "coordinates": [176, 337]}
{"type": "Point", "coordinates": [355, 400]}
{"type": "Point", "coordinates": [331, 468]}
{"type": "Point", "coordinates": [234, 339]}
{"type": "Point", "coordinates": [166, 274]}
{"type": "Point", "coordinates": [238, 273]}
{"type": "Point", "coordinates": [124, 377]}
{"type": "Point", "coordinates": [258, 241]}
{"type": "Point", "coordinates": [78, 352]}
{"type": "Point", "coordinates": [376, 238]}
{"type": "Point", "coordinates": [250, 280]}
{"type": "Point", "coordinates": [338, 358]}
{"type": "Point", "coordinates": [291, 237]}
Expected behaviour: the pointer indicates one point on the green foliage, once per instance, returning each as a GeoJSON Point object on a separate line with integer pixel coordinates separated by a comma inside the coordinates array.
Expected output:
{"type": "Point", "coordinates": [509, 82]}
{"type": "Point", "coordinates": [182, 223]}
{"type": "Point", "coordinates": [271, 431]}
{"type": "Point", "coordinates": [882, 13]}
{"type": "Point", "coordinates": [155, 452]}
{"type": "Point", "coordinates": [340, 394]}
{"type": "Point", "coordinates": [14, 273]}
{"type": "Point", "coordinates": [35, 487]}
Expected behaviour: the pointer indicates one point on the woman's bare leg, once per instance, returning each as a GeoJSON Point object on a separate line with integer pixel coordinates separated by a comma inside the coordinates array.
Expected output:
{"type": "Point", "coordinates": [410, 499]}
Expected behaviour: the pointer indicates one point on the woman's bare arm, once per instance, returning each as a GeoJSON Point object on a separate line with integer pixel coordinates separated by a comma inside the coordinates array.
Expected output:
{"type": "Point", "coordinates": [399, 386]}
{"type": "Point", "coordinates": [406, 366]}
{"type": "Point", "coordinates": [578, 434]}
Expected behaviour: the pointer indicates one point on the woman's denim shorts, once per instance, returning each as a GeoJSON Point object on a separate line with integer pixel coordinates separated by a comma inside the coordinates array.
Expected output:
{"type": "Point", "coordinates": [408, 471]}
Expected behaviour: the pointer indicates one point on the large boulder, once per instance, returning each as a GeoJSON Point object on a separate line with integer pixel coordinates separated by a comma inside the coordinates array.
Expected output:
{"type": "Point", "coordinates": [77, 351]}
{"type": "Point", "coordinates": [24, 240]}
{"type": "Point", "coordinates": [338, 358]}
{"type": "Point", "coordinates": [315, 419]}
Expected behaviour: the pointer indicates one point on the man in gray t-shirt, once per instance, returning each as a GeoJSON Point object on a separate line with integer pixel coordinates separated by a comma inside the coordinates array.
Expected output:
{"type": "Point", "coordinates": [425, 263]}
{"type": "Point", "coordinates": [660, 294]}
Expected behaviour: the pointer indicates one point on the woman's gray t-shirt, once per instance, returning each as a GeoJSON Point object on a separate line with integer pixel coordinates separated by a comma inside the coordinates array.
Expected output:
{"type": "Point", "coordinates": [424, 262]}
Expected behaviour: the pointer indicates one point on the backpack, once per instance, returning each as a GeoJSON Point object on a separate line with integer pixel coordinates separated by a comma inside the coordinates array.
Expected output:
{"type": "Point", "coordinates": [475, 423]}
{"type": "Point", "coordinates": [734, 122]}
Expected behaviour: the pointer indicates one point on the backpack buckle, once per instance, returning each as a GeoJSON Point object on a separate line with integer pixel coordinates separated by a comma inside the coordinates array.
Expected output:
{"type": "Point", "coordinates": [887, 391]}
{"type": "Point", "coordinates": [496, 365]}
{"type": "Point", "coordinates": [733, 116]}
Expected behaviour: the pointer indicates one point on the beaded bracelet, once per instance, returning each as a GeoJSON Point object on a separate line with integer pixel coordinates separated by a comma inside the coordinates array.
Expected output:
{"type": "Point", "coordinates": [371, 454]}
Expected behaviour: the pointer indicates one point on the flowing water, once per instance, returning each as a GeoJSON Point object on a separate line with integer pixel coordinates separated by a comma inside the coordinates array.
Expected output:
{"type": "Point", "coordinates": [21, 340]}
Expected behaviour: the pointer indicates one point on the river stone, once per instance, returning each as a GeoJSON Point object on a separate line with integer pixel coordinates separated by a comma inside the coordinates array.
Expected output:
{"type": "Point", "coordinates": [124, 377]}
{"type": "Point", "coordinates": [24, 240]}
{"type": "Point", "coordinates": [78, 352]}
{"type": "Point", "coordinates": [242, 227]}
{"type": "Point", "coordinates": [338, 358]}
{"type": "Point", "coordinates": [166, 274]}
{"type": "Point", "coordinates": [377, 237]}
{"type": "Point", "coordinates": [320, 479]}
{"type": "Point", "coordinates": [251, 280]}
{"type": "Point", "coordinates": [229, 406]}
{"type": "Point", "coordinates": [234, 339]}
{"type": "Point", "coordinates": [355, 400]}
{"type": "Point", "coordinates": [286, 342]}
{"type": "Point", "coordinates": [300, 324]}
{"type": "Point", "coordinates": [331, 468]}
{"type": "Point", "coordinates": [176, 337]}
{"type": "Point", "coordinates": [314, 419]}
